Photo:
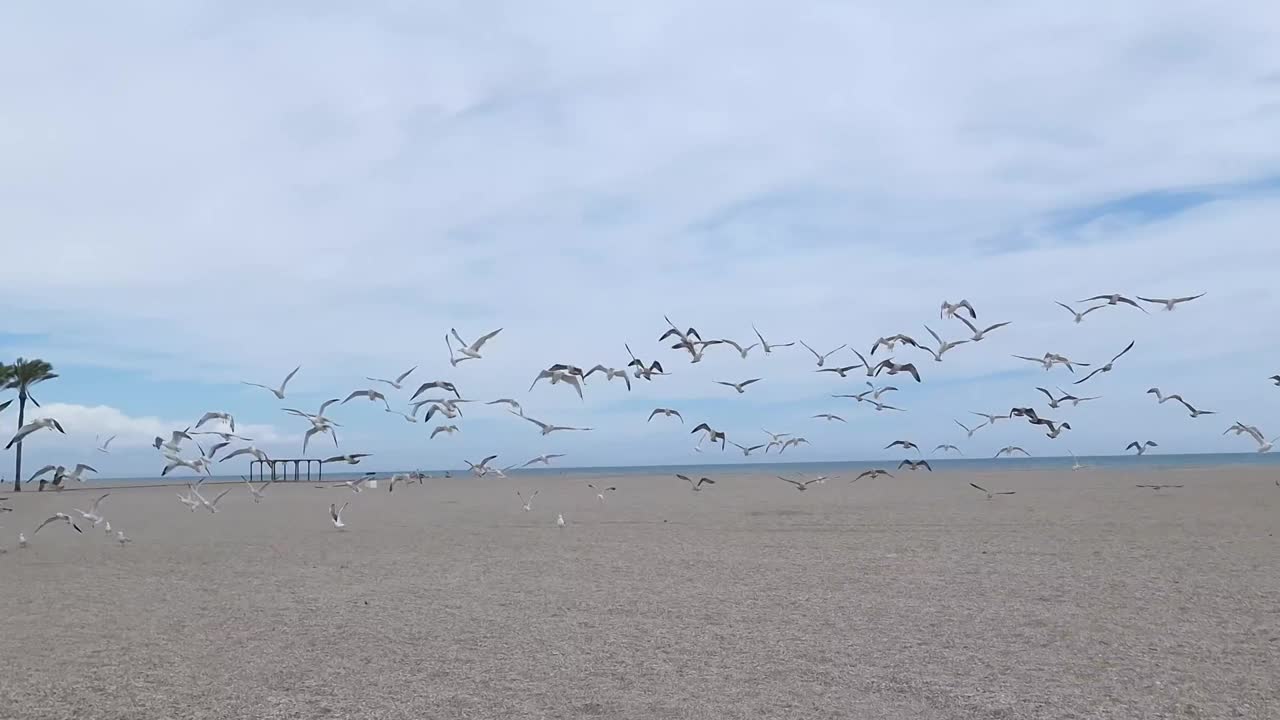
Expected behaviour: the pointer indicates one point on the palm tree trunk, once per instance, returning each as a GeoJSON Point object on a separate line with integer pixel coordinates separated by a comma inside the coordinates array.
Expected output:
{"type": "Point", "coordinates": [17, 455]}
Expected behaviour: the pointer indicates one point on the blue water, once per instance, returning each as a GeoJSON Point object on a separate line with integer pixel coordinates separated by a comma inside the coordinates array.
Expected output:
{"type": "Point", "coordinates": [1100, 462]}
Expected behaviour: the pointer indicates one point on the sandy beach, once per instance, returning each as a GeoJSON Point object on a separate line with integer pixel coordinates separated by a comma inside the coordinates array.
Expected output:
{"type": "Point", "coordinates": [913, 597]}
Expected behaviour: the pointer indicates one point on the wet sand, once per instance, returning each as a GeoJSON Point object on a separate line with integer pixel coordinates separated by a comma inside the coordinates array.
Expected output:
{"type": "Point", "coordinates": [913, 597]}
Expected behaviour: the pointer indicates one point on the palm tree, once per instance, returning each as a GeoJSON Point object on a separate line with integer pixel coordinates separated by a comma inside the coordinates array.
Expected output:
{"type": "Point", "coordinates": [21, 376]}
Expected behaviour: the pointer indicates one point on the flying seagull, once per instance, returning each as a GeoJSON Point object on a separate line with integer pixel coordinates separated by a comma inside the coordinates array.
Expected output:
{"type": "Point", "coordinates": [601, 491]}
{"type": "Point", "coordinates": [225, 417]}
{"type": "Point", "coordinates": [559, 376]}
{"type": "Point", "coordinates": [528, 504]}
{"type": "Point", "coordinates": [514, 406]}
{"type": "Point", "coordinates": [1141, 447]}
{"type": "Point", "coordinates": [828, 417]}
{"type": "Point", "coordinates": [1010, 450]}
{"type": "Point", "coordinates": [34, 425]}
{"type": "Point", "coordinates": [943, 345]}
{"type": "Point", "coordinates": [696, 486]}
{"type": "Point", "coordinates": [990, 494]}
{"type": "Point", "coordinates": [841, 371]}
{"type": "Point", "coordinates": [741, 387]}
{"type": "Point", "coordinates": [904, 444]}
{"type": "Point", "coordinates": [948, 310]}
{"type": "Point", "coordinates": [57, 517]}
{"type": "Point", "coordinates": [103, 448]}
{"type": "Point", "coordinates": [666, 412]}
{"type": "Point", "coordinates": [93, 516]}
{"type": "Point", "coordinates": [398, 383]}
{"type": "Point", "coordinates": [447, 429]}
{"type": "Point", "coordinates": [802, 486]}
{"type": "Point", "coordinates": [1170, 303]}
{"type": "Point", "coordinates": [746, 451]}
{"type": "Point", "coordinates": [1195, 412]}
{"type": "Point", "coordinates": [350, 459]}
{"type": "Point", "coordinates": [736, 346]}
{"type": "Point", "coordinates": [468, 352]}
{"type": "Point", "coordinates": [335, 514]}
{"type": "Point", "coordinates": [821, 357]}
{"type": "Point", "coordinates": [481, 468]}
{"type": "Point", "coordinates": [280, 392]}
{"type": "Point", "coordinates": [891, 342]}
{"type": "Point", "coordinates": [991, 419]}
{"type": "Point", "coordinates": [914, 465]}
{"type": "Point", "coordinates": [255, 452]}
{"type": "Point", "coordinates": [257, 492]}
{"type": "Point", "coordinates": [768, 346]}
{"type": "Point", "coordinates": [969, 430]}
{"type": "Point", "coordinates": [548, 428]}
{"type": "Point", "coordinates": [544, 459]}
{"type": "Point", "coordinates": [1106, 368]}
{"type": "Point", "coordinates": [1113, 299]}
{"type": "Point", "coordinates": [945, 447]}
{"type": "Point", "coordinates": [872, 474]}
{"type": "Point", "coordinates": [978, 335]}
{"type": "Point", "coordinates": [1079, 316]}
{"type": "Point", "coordinates": [610, 374]}
{"type": "Point", "coordinates": [894, 368]}
{"type": "Point", "coordinates": [373, 396]}
{"type": "Point", "coordinates": [795, 441]}
{"type": "Point", "coordinates": [712, 435]}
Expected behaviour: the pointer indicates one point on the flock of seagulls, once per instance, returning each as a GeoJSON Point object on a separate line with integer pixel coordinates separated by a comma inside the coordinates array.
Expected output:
{"type": "Point", "coordinates": [183, 448]}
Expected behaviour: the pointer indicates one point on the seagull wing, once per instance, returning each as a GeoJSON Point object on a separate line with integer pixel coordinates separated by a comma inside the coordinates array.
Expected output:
{"type": "Point", "coordinates": [287, 378]}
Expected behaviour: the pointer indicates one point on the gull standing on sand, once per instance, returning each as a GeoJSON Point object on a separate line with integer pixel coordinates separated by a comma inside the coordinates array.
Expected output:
{"type": "Point", "coordinates": [1078, 317]}
{"type": "Point", "coordinates": [949, 310]}
{"type": "Point", "coordinates": [22, 540]}
{"type": "Point", "coordinates": [33, 426]}
{"type": "Point", "coordinates": [528, 504]}
{"type": "Point", "coordinates": [103, 447]}
{"type": "Point", "coordinates": [990, 494]}
{"type": "Point", "coordinates": [978, 335]}
{"type": "Point", "coordinates": [280, 392]}
{"type": "Point", "coordinates": [1141, 447]}
{"type": "Point", "coordinates": [468, 352]}
{"type": "Point", "coordinates": [741, 387]}
{"type": "Point", "coordinates": [335, 514]}
{"type": "Point", "coordinates": [122, 538]}
{"type": "Point", "coordinates": [398, 382]}
{"type": "Point", "coordinates": [560, 520]}
{"type": "Point", "coordinates": [1170, 303]}
{"type": "Point", "coordinates": [822, 358]}
{"type": "Point", "coordinates": [1009, 450]}
{"type": "Point", "coordinates": [696, 486]}
{"type": "Point", "coordinates": [1106, 368]}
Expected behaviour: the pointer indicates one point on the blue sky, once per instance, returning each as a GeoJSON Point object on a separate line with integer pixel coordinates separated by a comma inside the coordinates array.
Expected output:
{"type": "Point", "coordinates": [208, 193]}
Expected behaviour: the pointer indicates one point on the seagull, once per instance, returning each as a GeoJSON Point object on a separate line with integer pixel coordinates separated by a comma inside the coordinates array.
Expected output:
{"type": "Point", "coordinates": [257, 492]}
{"type": "Point", "coordinates": [841, 371]}
{"type": "Point", "coordinates": [610, 374]}
{"type": "Point", "coordinates": [1010, 450]}
{"type": "Point", "coordinates": [1113, 299]}
{"type": "Point", "coordinates": [469, 352]}
{"type": "Point", "coordinates": [514, 406]}
{"type": "Point", "coordinates": [199, 465]}
{"type": "Point", "coordinates": [319, 426]}
{"type": "Point", "coordinates": [438, 384]}
{"type": "Point", "coordinates": [766, 345]}
{"type": "Point", "coordinates": [801, 486]}
{"type": "Point", "coordinates": [943, 345]}
{"type": "Point", "coordinates": [447, 408]}
{"type": "Point", "coordinates": [103, 447]}
{"type": "Point", "coordinates": [1161, 397]}
{"type": "Point", "coordinates": [350, 458]}
{"type": "Point", "coordinates": [1075, 462]}
{"type": "Point", "coordinates": [741, 350]}
{"type": "Point", "coordinates": [1054, 429]}
{"type": "Point", "coordinates": [666, 412]}
{"type": "Point", "coordinates": [822, 358]}
{"type": "Point", "coordinates": [560, 520]}
{"type": "Point", "coordinates": [1079, 316]}
{"type": "Point", "coordinates": [1075, 401]}
{"type": "Point", "coordinates": [1140, 447]}
{"type": "Point", "coordinates": [210, 506]}
{"type": "Point", "coordinates": [712, 435]}
{"type": "Point", "coordinates": [373, 396]}
{"type": "Point", "coordinates": [914, 465]}
{"type": "Point", "coordinates": [559, 376]}
{"type": "Point", "coordinates": [447, 429]}
{"type": "Point", "coordinates": [601, 491]}
{"type": "Point", "coordinates": [1275, 379]}
{"type": "Point", "coordinates": [355, 485]}
{"type": "Point", "coordinates": [34, 425]}
{"type": "Point", "coordinates": [991, 419]}
{"type": "Point", "coordinates": [548, 428]}
{"type": "Point", "coordinates": [990, 494]}
{"type": "Point", "coordinates": [1106, 368]}
{"type": "Point", "coordinates": [978, 335]}
{"type": "Point", "coordinates": [746, 451]}
{"type": "Point", "coordinates": [482, 468]}
{"type": "Point", "coordinates": [255, 452]}
{"type": "Point", "coordinates": [122, 538]}
{"type": "Point", "coordinates": [1170, 303]}
{"type": "Point", "coordinates": [189, 501]}
{"type": "Point", "coordinates": [894, 368]}
{"type": "Point", "coordinates": [795, 441]}
{"type": "Point", "coordinates": [544, 459]}
{"type": "Point", "coordinates": [1157, 488]}
{"type": "Point", "coordinates": [1053, 402]}
{"type": "Point", "coordinates": [1263, 445]}
{"type": "Point", "coordinates": [225, 417]}
{"type": "Point", "coordinates": [741, 387]}
{"type": "Point", "coordinates": [872, 474]}
{"type": "Point", "coordinates": [278, 393]}
{"type": "Point", "coordinates": [871, 369]}
{"type": "Point", "coordinates": [398, 382]}
{"type": "Point", "coordinates": [904, 444]}
{"type": "Point", "coordinates": [1195, 413]}
{"type": "Point", "coordinates": [829, 417]}
{"type": "Point", "coordinates": [335, 514]}
{"type": "Point", "coordinates": [948, 310]}
{"type": "Point", "coordinates": [696, 486]}
{"type": "Point", "coordinates": [891, 342]}
{"type": "Point", "coordinates": [174, 445]}
{"type": "Point", "coordinates": [528, 504]}
{"type": "Point", "coordinates": [93, 515]}
{"type": "Point", "coordinates": [56, 517]}
{"type": "Point", "coordinates": [945, 447]}
{"type": "Point", "coordinates": [967, 429]}
{"type": "Point", "coordinates": [22, 540]}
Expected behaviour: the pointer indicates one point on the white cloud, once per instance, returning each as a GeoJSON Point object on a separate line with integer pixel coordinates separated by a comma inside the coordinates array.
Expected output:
{"type": "Point", "coordinates": [281, 187]}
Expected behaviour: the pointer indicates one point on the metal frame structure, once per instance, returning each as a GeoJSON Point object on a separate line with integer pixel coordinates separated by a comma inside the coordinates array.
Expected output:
{"type": "Point", "coordinates": [257, 470]}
